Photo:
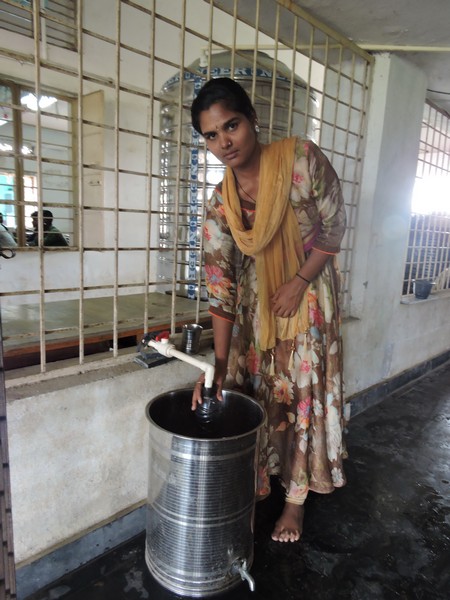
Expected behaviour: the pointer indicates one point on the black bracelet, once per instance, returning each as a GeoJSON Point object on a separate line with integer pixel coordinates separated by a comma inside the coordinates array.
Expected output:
{"type": "Point", "coordinates": [304, 278]}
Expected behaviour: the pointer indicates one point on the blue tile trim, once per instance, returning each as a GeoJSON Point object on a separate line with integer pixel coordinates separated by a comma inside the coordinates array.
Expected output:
{"type": "Point", "coordinates": [375, 394]}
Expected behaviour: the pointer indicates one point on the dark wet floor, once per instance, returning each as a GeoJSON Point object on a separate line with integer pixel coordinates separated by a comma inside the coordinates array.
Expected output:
{"type": "Point", "coordinates": [386, 535]}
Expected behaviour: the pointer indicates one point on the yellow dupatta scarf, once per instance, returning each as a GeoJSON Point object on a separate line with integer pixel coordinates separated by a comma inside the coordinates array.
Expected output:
{"type": "Point", "coordinates": [275, 239]}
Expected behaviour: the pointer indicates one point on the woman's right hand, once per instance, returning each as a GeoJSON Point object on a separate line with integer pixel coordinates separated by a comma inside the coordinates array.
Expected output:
{"type": "Point", "coordinates": [219, 379]}
{"type": "Point", "coordinates": [286, 300]}
{"type": "Point", "coordinates": [222, 330]}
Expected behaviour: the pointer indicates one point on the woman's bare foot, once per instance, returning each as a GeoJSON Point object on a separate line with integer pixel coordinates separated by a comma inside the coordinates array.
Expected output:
{"type": "Point", "coordinates": [289, 526]}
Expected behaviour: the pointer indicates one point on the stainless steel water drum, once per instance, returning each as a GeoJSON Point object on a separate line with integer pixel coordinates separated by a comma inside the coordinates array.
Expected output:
{"type": "Point", "coordinates": [201, 494]}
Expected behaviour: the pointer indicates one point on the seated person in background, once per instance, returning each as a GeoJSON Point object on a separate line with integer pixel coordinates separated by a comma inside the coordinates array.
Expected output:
{"type": "Point", "coordinates": [6, 238]}
{"type": "Point", "coordinates": [52, 235]}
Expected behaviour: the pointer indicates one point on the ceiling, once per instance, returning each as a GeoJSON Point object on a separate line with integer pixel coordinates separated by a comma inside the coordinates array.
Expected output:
{"type": "Point", "coordinates": [418, 30]}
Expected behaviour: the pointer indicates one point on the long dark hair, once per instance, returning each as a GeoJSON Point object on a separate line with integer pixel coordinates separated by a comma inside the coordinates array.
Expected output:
{"type": "Point", "coordinates": [224, 90]}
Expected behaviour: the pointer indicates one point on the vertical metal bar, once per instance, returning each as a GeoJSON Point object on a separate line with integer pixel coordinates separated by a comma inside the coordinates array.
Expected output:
{"type": "Point", "coordinates": [194, 235]}
{"type": "Point", "coordinates": [447, 153]}
{"type": "Point", "coordinates": [18, 164]}
{"type": "Point", "coordinates": [204, 152]}
{"type": "Point", "coordinates": [433, 127]}
{"type": "Point", "coordinates": [211, 22]}
{"type": "Point", "coordinates": [292, 82]}
{"type": "Point", "coordinates": [336, 105]}
{"type": "Point", "coordinates": [413, 247]}
{"type": "Point", "coordinates": [150, 126]}
{"type": "Point", "coordinates": [6, 524]}
{"type": "Point", "coordinates": [357, 169]}
{"type": "Point", "coordinates": [116, 180]}
{"type": "Point", "coordinates": [194, 232]}
{"type": "Point", "coordinates": [350, 228]}
{"type": "Point", "coordinates": [43, 30]}
{"type": "Point", "coordinates": [234, 37]}
{"type": "Point", "coordinates": [80, 162]}
{"type": "Point", "coordinates": [430, 220]}
{"type": "Point", "coordinates": [204, 180]}
{"type": "Point", "coordinates": [324, 83]}
{"type": "Point", "coordinates": [308, 87]}
{"type": "Point", "coordinates": [255, 51]}
{"type": "Point", "coordinates": [178, 173]}
{"type": "Point", "coordinates": [274, 73]}
{"type": "Point", "coordinates": [347, 125]}
{"type": "Point", "coordinates": [37, 65]}
{"type": "Point", "coordinates": [439, 158]}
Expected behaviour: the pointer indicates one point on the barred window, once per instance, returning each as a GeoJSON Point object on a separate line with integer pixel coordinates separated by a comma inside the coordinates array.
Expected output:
{"type": "Point", "coordinates": [30, 161]}
{"type": "Point", "coordinates": [133, 184]}
{"type": "Point", "coordinates": [57, 22]}
{"type": "Point", "coordinates": [428, 253]}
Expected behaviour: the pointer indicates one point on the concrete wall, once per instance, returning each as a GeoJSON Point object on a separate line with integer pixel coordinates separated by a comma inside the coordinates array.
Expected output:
{"type": "Point", "coordinates": [78, 450]}
{"type": "Point", "coordinates": [387, 337]}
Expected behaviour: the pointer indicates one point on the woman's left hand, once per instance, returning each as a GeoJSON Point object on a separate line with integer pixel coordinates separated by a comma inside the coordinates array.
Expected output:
{"type": "Point", "coordinates": [286, 300]}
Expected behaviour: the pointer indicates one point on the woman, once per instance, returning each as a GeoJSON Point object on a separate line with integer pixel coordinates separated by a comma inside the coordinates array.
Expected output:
{"type": "Point", "coordinates": [272, 229]}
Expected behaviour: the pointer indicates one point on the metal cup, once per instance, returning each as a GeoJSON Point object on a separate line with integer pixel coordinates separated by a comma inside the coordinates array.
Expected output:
{"type": "Point", "coordinates": [190, 340]}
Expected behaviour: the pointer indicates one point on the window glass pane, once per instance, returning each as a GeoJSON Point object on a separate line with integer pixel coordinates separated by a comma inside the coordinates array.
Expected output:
{"type": "Point", "coordinates": [6, 159]}
{"type": "Point", "coordinates": [7, 208]}
{"type": "Point", "coordinates": [56, 153]}
{"type": "Point", "coordinates": [60, 17]}
{"type": "Point", "coordinates": [6, 122]}
{"type": "Point", "coordinates": [15, 17]}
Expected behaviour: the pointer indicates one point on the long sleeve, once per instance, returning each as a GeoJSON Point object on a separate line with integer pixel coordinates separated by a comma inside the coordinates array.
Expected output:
{"type": "Point", "coordinates": [220, 260]}
{"type": "Point", "coordinates": [317, 197]}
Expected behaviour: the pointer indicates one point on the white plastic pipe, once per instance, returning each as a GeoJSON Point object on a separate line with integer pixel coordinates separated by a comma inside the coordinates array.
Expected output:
{"type": "Point", "coordinates": [165, 348]}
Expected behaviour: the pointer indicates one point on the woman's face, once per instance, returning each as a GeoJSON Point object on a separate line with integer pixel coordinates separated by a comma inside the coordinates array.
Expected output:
{"type": "Point", "coordinates": [230, 136]}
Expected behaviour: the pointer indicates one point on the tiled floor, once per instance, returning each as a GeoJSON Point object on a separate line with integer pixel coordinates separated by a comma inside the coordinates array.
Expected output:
{"type": "Point", "coordinates": [386, 535]}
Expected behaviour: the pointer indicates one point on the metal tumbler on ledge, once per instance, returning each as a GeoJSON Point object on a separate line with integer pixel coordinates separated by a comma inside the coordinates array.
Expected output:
{"type": "Point", "coordinates": [190, 339]}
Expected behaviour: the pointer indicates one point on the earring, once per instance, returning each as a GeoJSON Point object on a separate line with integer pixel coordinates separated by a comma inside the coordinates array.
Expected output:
{"type": "Point", "coordinates": [257, 128]}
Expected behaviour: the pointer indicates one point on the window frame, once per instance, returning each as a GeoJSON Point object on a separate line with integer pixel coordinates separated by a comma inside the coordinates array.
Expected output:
{"type": "Point", "coordinates": [57, 24]}
{"type": "Point", "coordinates": [428, 246]}
{"type": "Point", "coordinates": [21, 173]}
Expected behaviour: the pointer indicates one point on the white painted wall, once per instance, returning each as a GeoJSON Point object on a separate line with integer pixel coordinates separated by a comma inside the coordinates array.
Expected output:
{"type": "Point", "coordinates": [78, 452]}
{"type": "Point", "coordinates": [387, 337]}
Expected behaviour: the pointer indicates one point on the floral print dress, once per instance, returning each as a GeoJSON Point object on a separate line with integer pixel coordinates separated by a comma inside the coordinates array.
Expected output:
{"type": "Point", "coordinates": [299, 382]}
